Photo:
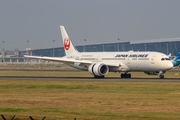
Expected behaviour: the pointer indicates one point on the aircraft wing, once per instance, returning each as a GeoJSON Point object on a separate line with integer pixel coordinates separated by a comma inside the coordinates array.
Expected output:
{"type": "Point", "coordinates": [63, 60]}
{"type": "Point", "coordinates": [71, 61]}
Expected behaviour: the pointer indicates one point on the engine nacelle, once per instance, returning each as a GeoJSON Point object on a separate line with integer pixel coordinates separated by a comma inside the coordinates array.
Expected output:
{"type": "Point", "coordinates": [154, 72]}
{"type": "Point", "coordinates": [98, 69]}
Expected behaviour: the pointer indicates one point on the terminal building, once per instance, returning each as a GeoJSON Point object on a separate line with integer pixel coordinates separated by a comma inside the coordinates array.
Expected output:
{"type": "Point", "coordinates": [166, 46]}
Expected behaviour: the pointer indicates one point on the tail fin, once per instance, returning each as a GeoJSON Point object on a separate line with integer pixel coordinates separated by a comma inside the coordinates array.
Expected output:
{"type": "Point", "coordinates": [178, 56]}
{"type": "Point", "coordinates": [176, 62]}
{"type": "Point", "coordinates": [68, 46]}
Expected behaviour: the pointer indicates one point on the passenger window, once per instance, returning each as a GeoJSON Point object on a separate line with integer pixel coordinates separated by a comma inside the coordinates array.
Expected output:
{"type": "Point", "coordinates": [162, 59]}
{"type": "Point", "coordinates": [167, 58]}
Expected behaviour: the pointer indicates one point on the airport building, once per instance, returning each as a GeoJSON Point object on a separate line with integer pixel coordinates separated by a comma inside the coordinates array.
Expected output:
{"type": "Point", "coordinates": [165, 46]}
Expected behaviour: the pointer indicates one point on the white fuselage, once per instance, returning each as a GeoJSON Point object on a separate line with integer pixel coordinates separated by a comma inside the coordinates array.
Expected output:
{"type": "Point", "coordinates": [128, 61]}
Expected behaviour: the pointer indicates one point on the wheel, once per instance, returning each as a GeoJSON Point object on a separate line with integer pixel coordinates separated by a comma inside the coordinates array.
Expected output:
{"type": "Point", "coordinates": [128, 75]}
{"type": "Point", "coordinates": [102, 76]}
{"type": "Point", "coordinates": [98, 76]}
{"type": "Point", "coordinates": [161, 76]}
{"type": "Point", "coordinates": [125, 75]}
{"type": "Point", "coordinates": [122, 75]}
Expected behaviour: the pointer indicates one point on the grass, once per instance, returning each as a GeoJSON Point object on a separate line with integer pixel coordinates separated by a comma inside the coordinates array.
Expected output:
{"type": "Point", "coordinates": [89, 100]}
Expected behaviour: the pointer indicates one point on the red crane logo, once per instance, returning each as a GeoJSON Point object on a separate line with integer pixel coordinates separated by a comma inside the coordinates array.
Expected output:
{"type": "Point", "coordinates": [67, 43]}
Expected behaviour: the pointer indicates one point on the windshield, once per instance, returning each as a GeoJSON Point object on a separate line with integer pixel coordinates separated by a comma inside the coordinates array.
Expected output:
{"type": "Point", "coordinates": [165, 59]}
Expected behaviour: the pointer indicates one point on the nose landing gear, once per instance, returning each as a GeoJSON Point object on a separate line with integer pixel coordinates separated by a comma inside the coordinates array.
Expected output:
{"type": "Point", "coordinates": [161, 76]}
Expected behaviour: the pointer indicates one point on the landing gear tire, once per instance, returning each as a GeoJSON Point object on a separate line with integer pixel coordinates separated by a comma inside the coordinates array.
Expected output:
{"type": "Point", "coordinates": [125, 75]}
{"type": "Point", "coordinates": [129, 75]}
{"type": "Point", "coordinates": [161, 76]}
{"type": "Point", "coordinates": [98, 76]}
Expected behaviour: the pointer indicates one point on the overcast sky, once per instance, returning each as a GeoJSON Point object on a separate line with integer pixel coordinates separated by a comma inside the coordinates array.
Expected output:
{"type": "Point", "coordinates": [97, 21]}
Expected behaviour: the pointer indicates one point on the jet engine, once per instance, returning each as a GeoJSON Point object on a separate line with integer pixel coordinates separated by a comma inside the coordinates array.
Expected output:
{"type": "Point", "coordinates": [98, 69]}
{"type": "Point", "coordinates": [154, 72]}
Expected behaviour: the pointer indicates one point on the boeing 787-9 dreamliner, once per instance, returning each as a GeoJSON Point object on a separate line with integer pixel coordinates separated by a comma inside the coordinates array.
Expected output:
{"type": "Point", "coordinates": [100, 63]}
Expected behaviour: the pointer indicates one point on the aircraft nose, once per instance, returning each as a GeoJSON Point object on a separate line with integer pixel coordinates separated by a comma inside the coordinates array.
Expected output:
{"type": "Point", "coordinates": [170, 65]}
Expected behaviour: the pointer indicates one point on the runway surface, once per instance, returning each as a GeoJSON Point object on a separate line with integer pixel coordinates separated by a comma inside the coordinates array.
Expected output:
{"type": "Point", "coordinates": [91, 79]}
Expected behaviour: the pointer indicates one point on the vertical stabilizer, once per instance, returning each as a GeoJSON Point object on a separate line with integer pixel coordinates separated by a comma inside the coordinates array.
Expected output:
{"type": "Point", "coordinates": [178, 56]}
{"type": "Point", "coordinates": [68, 46]}
{"type": "Point", "coordinates": [176, 62]}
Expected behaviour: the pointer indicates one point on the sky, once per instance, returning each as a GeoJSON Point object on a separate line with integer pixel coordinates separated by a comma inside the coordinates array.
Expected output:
{"type": "Point", "coordinates": [97, 21]}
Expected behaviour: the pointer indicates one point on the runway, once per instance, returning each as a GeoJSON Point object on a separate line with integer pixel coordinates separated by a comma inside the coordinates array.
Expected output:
{"type": "Point", "coordinates": [110, 79]}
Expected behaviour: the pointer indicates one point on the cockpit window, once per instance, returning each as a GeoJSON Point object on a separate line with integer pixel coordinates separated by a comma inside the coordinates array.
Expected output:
{"type": "Point", "coordinates": [165, 59]}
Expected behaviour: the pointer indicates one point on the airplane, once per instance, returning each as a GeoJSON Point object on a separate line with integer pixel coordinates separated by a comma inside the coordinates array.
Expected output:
{"type": "Point", "coordinates": [100, 63]}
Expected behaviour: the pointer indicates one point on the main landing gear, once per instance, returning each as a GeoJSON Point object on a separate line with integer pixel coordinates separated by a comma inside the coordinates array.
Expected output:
{"type": "Point", "coordinates": [125, 75]}
{"type": "Point", "coordinates": [161, 76]}
{"type": "Point", "coordinates": [98, 76]}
